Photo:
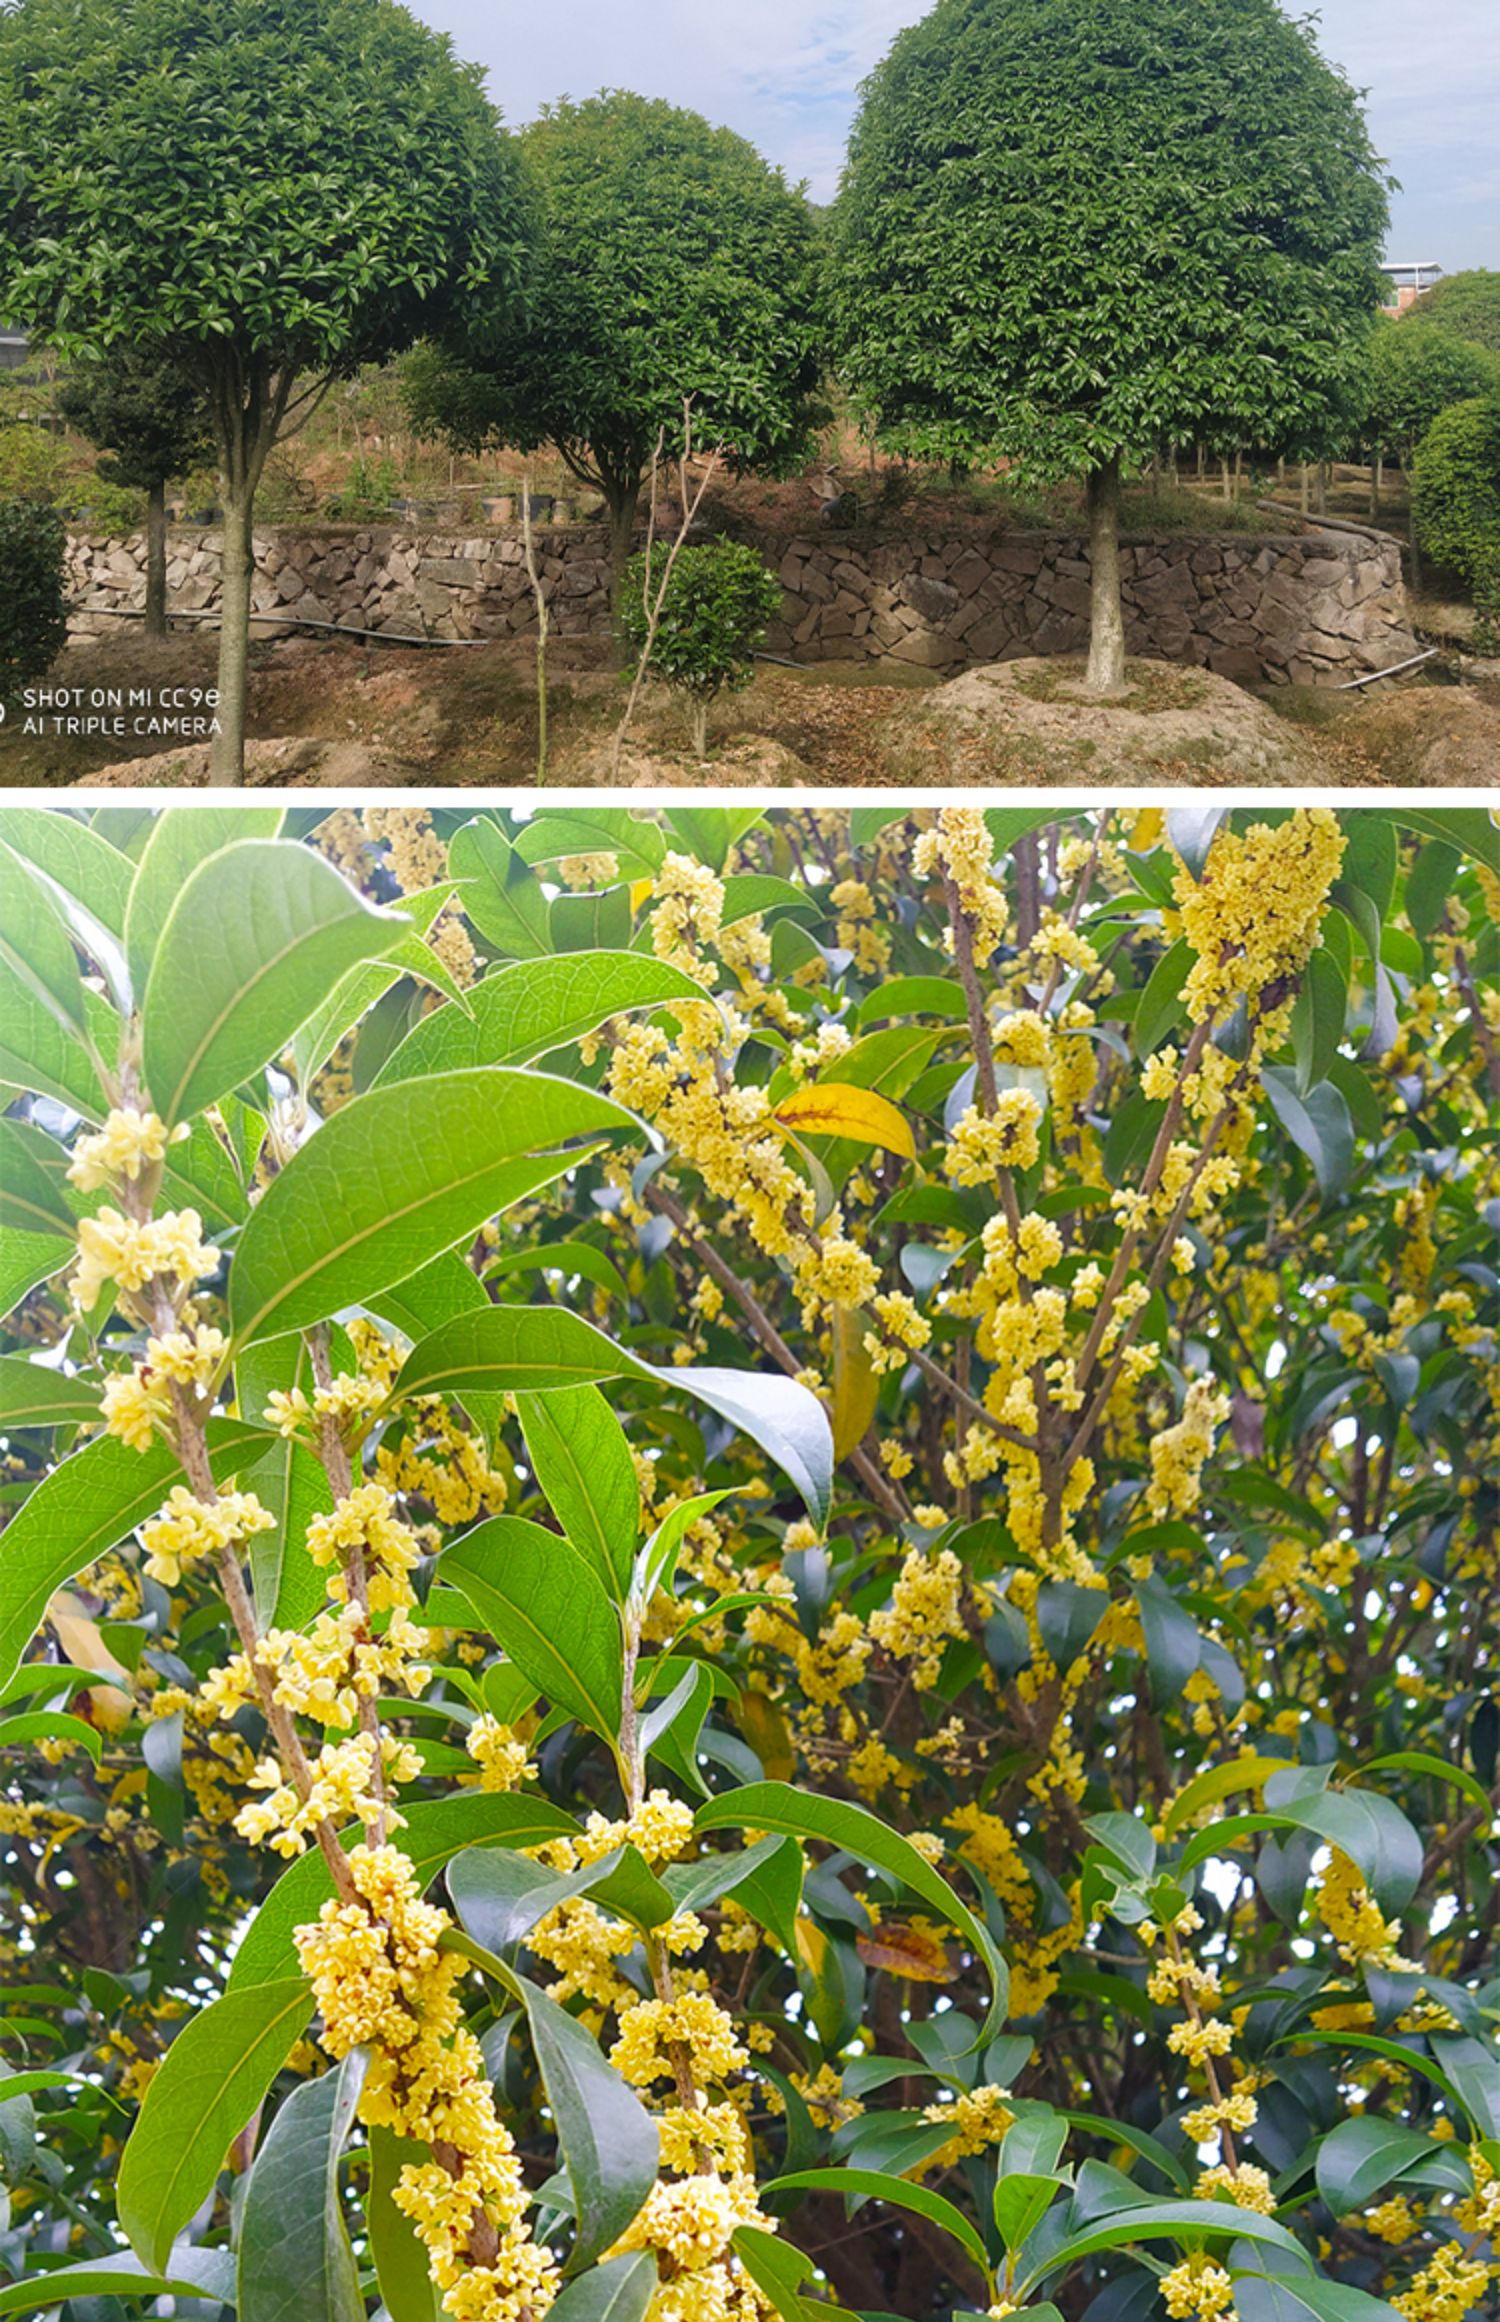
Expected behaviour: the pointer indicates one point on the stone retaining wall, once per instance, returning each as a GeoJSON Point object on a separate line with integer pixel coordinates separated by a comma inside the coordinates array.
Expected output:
{"type": "Point", "coordinates": [1311, 609]}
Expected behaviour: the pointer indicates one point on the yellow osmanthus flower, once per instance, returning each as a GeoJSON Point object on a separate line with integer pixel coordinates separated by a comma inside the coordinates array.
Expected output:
{"type": "Point", "coordinates": [692, 2022]}
{"type": "Point", "coordinates": [1253, 916]}
{"type": "Point", "coordinates": [978, 2117]}
{"type": "Point", "coordinates": [366, 1521]}
{"type": "Point", "coordinates": [502, 1759]}
{"type": "Point", "coordinates": [1179, 1452]}
{"type": "Point", "coordinates": [381, 1980]}
{"type": "Point", "coordinates": [1350, 1913]}
{"type": "Point", "coordinates": [129, 1142]}
{"type": "Point", "coordinates": [925, 1611]}
{"type": "Point", "coordinates": [688, 915]}
{"type": "Point", "coordinates": [959, 846]}
{"type": "Point", "coordinates": [980, 1143]}
{"type": "Point", "coordinates": [1197, 2289]}
{"type": "Point", "coordinates": [189, 1529]}
{"type": "Point", "coordinates": [130, 1253]}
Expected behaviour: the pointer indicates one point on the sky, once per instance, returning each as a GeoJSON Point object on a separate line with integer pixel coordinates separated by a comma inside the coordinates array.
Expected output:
{"type": "Point", "coordinates": [784, 73]}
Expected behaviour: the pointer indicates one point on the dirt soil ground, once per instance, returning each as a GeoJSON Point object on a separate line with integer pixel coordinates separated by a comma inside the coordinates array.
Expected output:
{"type": "Point", "coordinates": [327, 714]}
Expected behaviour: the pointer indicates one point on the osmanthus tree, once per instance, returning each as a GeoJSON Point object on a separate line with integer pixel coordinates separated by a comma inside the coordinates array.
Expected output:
{"type": "Point", "coordinates": [265, 193]}
{"type": "Point", "coordinates": [151, 419]}
{"type": "Point", "coordinates": [1465, 305]}
{"type": "Point", "coordinates": [674, 265]}
{"type": "Point", "coordinates": [1069, 235]}
{"type": "Point", "coordinates": [751, 1563]}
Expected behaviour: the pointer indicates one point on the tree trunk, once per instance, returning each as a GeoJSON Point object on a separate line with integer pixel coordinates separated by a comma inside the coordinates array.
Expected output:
{"type": "Point", "coordinates": [156, 560]}
{"type": "Point", "coordinates": [1322, 487]}
{"type": "Point", "coordinates": [700, 726]}
{"type": "Point", "coordinates": [227, 759]}
{"type": "Point", "coordinates": [623, 502]}
{"type": "Point", "coordinates": [1377, 478]}
{"type": "Point", "coordinates": [1106, 669]}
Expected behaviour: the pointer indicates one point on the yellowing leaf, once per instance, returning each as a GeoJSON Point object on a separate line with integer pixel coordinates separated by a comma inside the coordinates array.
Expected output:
{"type": "Point", "coordinates": [834, 1109]}
{"type": "Point", "coordinates": [908, 1952]}
{"type": "Point", "coordinates": [856, 1387]}
{"type": "Point", "coordinates": [641, 891]}
{"type": "Point", "coordinates": [83, 1646]}
{"type": "Point", "coordinates": [765, 1729]}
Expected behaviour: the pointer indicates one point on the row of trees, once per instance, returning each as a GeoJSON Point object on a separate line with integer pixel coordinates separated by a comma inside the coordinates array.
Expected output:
{"type": "Point", "coordinates": [1064, 237]}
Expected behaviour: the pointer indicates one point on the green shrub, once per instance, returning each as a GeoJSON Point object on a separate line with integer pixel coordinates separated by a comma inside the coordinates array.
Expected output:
{"type": "Point", "coordinates": [719, 602]}
{"type": "Point", "coordinates": [33, 602]}
{"type": "Point", "coordinates": [1456, 480]}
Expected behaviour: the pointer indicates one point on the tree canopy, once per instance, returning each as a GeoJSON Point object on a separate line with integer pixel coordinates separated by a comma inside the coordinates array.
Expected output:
{"type": "Point", "coordinates": [759, 1578]}
{"type": "Point", "coordinates": [673, 263]}
{"type": "Point", "coordinates": [1416, 370]}
{"type": "Point", "coordinates": [1466, 305]}
{"type": "Point", "coordinates": [1069, 235]}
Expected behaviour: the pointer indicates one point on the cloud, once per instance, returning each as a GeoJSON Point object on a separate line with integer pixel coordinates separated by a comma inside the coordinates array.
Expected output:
{"type": "Point", "coordinates": [785, 74]}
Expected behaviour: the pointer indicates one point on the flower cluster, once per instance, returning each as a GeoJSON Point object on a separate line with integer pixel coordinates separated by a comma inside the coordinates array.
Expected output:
{"type": "Point", "coordinates": [382, 1981]}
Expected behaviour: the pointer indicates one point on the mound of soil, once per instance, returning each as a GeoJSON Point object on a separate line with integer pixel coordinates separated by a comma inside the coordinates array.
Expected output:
{"type": "Point", "coordinates": [1015, 720]}
{"type": "Point", "coordinates": [290, 764]}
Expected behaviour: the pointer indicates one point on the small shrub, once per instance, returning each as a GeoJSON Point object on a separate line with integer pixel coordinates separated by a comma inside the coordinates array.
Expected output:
{"type": "Point", "coordinates": [1456, 482]}
{"type": "Point", "coordinates": [367, 496]}
{"type": "Point", "coordinates": [33, 601]}
{"type": "Point", "coordinates": [720, 600]}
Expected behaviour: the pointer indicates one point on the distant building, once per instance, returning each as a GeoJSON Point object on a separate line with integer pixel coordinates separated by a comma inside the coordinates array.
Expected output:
{"type": "Point", "coordinates": [1407, 283]}
{"type": "Point", "coordinates": [12, 348]}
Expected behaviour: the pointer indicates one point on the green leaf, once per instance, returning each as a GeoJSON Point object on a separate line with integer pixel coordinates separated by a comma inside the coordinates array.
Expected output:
{"type": "Point", "coordinates": [250, 947]}
{"type": "Point", "coordinates": [1021, 2202]}
{"type": "Point", "coordinates": [582, 1461]}
{"type": "Point", "coordinates": [525, 1011]}
{"type": "Point", "coordinates": [1186, 2221]}
{"type": "Point", "coordinates": [1295, 2297]}
{"type": "Point", "coordinates": [1360, 2156]}
{"type": "Point", "coordinates": [95, 873]}
{"type": "Point", "coordinates": [548, 1609]}
{"type": "Point", "coordinates": [1318, 1124]}
{"type": "Point", "coordinates": [27, 1260]}
{"type": "Point", "coordinates": [1471, 829]}
{"type": "Point", "coordinates": [181, 838]}
{"type": "Point", "coordinates": [41, 1053]}
{"type": "Point", "coordinates": [393, 1180]}
{"type": "Point", "coordinates": [1436, 1770]}
{"type": "Point", "coordinates": [1318, 1019]}
{"type": "Point", "coordinates": [188, 2272]}
{"type": "Point", "coordinates": [296, 2262]}
{"type": "Point", "coordinates": [435, 1830]}
{"type": "Point", "coordinates": [874, 2184]}
{"type": "Point", "coordinates": [499, 893]}
{"type": "Point", "coordinates": [637, 846]}
{"type": "Point", "coordinates": [1161, 1001]}
{"type": "Point", "coordinates": [1373, 1832]}
{"type": "Point", "coordinates": [292, 1486]}
{"type": "Point", "coordinates": [1192, 831]}
{"type": "Point", "coordinates": [1173, 1645]}
{"type": "Point", "coordinates": [357, 992]}
{"type": "Point", "coordinates": [32, 1198]}
{"type": "Point", "coordinates": [798, 1814]}
{"type": "Point", "coordinates": [620, 2290]}
{"type": "Point", "coordinates": [35, 947]}
{"type": "Point", "coordinates": [31, 1395]}
{"type": "Point", "coordinates": [1216, 1782]}
{"type": "Point", "coordinates": [82, 1510]}
{"type": "Point", "coordinates": [531, 1349]}
{"type": "Point", "coordinates": [50, 1725]}
{"type": "Point", "coordinates": [609, 2141]}
{"type": "Point", "coordinates": [211, 2079]}
{"type": "Point", "coordinates": [407, 2290]}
